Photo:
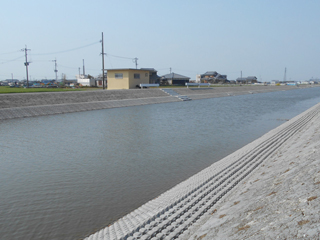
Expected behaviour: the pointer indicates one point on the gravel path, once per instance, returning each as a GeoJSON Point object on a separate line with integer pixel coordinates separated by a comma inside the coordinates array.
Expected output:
{"type": "Point", "coordinates": [265, 190]}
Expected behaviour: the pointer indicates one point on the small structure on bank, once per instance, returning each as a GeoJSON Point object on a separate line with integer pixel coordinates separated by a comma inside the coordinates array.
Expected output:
{"type": "Point", "coordinates": [130, 78]}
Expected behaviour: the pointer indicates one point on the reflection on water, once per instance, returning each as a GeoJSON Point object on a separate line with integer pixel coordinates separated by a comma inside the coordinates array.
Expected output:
{"type": "Point", "coordinates": [66, 176]}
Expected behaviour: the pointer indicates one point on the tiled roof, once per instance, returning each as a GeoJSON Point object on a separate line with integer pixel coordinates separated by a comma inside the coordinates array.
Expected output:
{"type": "Point", "coordinates": [174, 76]}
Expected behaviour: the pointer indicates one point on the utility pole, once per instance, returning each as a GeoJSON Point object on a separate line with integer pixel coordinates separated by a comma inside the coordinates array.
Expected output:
{"type": "Point", "coordinates": [84, 73]}
{"type": "Point", "coordinates": [136, 62]}
{"type": "Point", "coordinates": [55, 69]}
{"type": "Point", "coordinates": [170, 70]}
{"type": "Point", "coordinates": [102, 54]}
{"type": "Point", "coordinates": [26, 62]}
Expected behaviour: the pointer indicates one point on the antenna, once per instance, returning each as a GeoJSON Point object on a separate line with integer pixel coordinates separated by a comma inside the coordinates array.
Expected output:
{"type": "Point", "coordinates": [26, 63]}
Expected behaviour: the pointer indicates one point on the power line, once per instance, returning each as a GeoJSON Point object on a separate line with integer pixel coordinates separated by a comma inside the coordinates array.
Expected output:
{"type": "Point", "coordinates": [11, 60]}
{"type": "Point", "coordinates": [9, 53]}
{"type": "Point", "coordinates": [67, 67]}
{"type": "Point", "coordinates": [118, 56]}
{"type": "Point", "coordinates": [68, 50]}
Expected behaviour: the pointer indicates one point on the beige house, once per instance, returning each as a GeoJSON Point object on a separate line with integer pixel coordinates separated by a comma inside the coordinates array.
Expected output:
{"type": "Point", "coordinates": [127, 78]}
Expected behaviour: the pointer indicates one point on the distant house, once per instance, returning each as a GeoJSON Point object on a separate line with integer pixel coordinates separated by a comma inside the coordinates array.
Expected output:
{"type": "Point", "coordinates": [174, 79]}
{"type": "Point", "coordinates": [213, 77]}
{"type": "Point", "coordinates": [221, 78]}
{"type": "Point", "coordinates": [127, 78]}
{"type": "Point", "coordinates": [252, 79]}
{"type": "Point", "coordinates": [99, 82]}
{"type": "Point", "coordinates": [83, 80]}
{"type": "Point", "coordinates": [247, 80]}
{"type": "Point", "coordinates": [241, 80]}
{"type": "Point", "coordinates": [208, 76]}
{"type": "Point", "coordinates": [12, 80]}
{"type": "Point", "coordinates": [70, 82]}
{"type": "Point", "coordinates": [153, 76]}
{"type": "Point", "coordinates": [274, 82]}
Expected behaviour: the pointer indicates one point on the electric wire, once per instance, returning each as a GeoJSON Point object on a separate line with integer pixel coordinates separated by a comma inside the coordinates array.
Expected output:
{"type": "Point", "coordinates": [68, 50]}
{"type": "Point", "coordinates": [11, 60]}
{"type": "Point", "coordinates": [9, 52]}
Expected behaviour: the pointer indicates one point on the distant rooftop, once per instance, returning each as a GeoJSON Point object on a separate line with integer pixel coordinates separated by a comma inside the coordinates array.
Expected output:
{"type": "Point", "coordinates": [174, 76]}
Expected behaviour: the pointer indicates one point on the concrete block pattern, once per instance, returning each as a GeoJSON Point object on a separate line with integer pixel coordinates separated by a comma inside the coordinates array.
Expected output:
{"type": "Point", "coordinates": [43, 110]}
{"type": "Point", "coordinates": [174, 211]}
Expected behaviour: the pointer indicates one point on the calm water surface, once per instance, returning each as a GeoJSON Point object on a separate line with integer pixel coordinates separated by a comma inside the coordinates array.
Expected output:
{"type": "Point", "coordinates": [66, 176]}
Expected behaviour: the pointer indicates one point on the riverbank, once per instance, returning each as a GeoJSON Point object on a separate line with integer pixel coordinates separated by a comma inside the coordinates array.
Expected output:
{"type": "Point", "coordinates": [279, 200]}
{"type": "Point", "coordinates": [267, 189]}
{"type": "Point", "coordinates": [40, 104]}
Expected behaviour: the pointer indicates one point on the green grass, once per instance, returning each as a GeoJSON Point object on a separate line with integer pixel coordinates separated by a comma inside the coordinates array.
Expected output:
{"type": "Point", "coordinates": [6, 89]}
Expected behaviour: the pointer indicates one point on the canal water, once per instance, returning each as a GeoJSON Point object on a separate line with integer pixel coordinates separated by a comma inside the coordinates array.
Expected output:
{"type": "Point", "coordinates": [66, 176]}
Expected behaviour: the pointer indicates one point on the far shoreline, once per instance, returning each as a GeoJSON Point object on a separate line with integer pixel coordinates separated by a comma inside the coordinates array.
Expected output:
{"type": "Point", "coordinates": [20, 105]}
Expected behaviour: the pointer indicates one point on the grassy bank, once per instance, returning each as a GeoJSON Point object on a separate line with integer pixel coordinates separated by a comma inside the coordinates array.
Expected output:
{"type": "Point", "coordinates": [6, 89]}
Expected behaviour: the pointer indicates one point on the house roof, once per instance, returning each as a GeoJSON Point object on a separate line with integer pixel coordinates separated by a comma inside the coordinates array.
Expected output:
{"type": "Point", "coordinates": [175, 76]}
{"type": "Point", "coordinates": [220, 76]}
{"type": "Point", "coordinates": [149, 69]}
{"type": "Point", "coordinates": [210, 73]}
{"type": "Point", "coordinates": [135, 69]}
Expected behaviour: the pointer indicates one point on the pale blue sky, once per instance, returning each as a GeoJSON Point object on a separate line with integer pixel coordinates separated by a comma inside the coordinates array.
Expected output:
{"type": "Point", "coordinates": [258, 37]}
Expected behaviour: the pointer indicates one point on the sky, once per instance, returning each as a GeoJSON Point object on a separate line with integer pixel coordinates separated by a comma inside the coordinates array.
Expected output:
{"type": "Point", "coordinates": [253, 37]}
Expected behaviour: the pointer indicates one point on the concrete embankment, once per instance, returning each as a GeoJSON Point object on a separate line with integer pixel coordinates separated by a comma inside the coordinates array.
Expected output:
{"type": "Point", "coordinates": [265, 190]}
{"type": "Point", "coordinates": [40, 104]}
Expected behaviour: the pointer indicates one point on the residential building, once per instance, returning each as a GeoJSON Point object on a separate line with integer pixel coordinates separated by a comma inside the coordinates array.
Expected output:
{"type": "Point", "coordinates": [153, 76]}
{"type": "Point", "coordinates": [247, 80]}
{"type": "Point", "coordinates": [213, 77]}
{"type": "Point", "coordinates": [198, 78]}
{"type": "Point", "coordinates": [252, 79]}
{"type": "Point", "coordinates": [208, 76]}
{"type": "Point", "coordinates": [174, 79]}
{"type": "Point", "coordinates": [127, 78]}
{"type": "Point", "coordinates": [83, 80]}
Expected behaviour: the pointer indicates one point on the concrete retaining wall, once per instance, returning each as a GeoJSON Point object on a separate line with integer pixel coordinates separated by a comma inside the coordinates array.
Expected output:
{"type": "Point", "coordinates": [41, 104]}
{"type": "Point", "coordinates": [43, 110]}
{"type": "Point", "coordinates": [171, 214]}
